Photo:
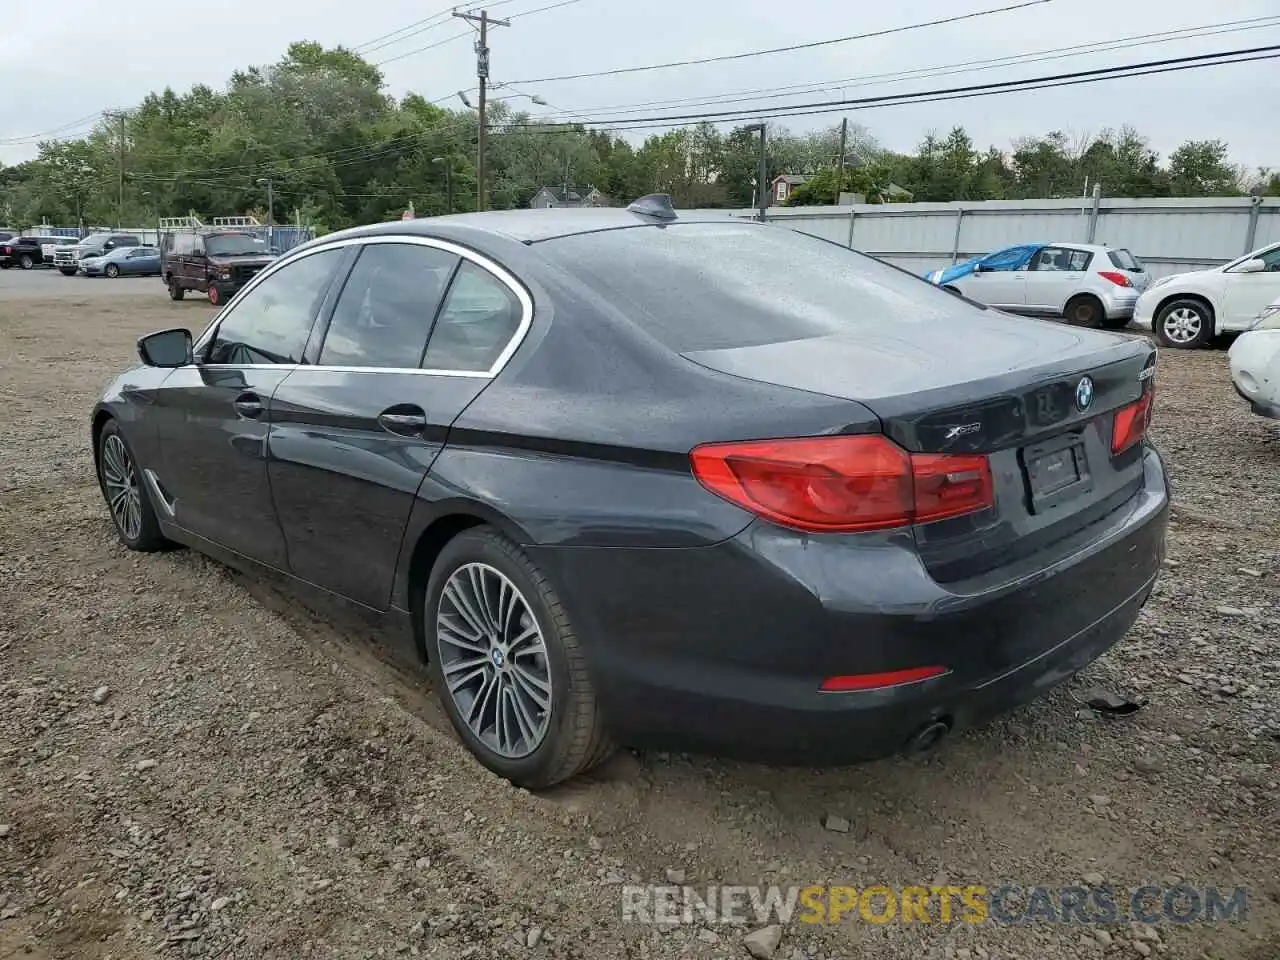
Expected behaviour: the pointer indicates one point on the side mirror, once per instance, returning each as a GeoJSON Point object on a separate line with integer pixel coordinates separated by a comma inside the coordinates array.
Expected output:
{"type": "Point", "coordinates": [166, 348]}
{"type": "Point", "coordinates": [1252, 266]}
{"type": "Point", "coordinates": [980, 268]}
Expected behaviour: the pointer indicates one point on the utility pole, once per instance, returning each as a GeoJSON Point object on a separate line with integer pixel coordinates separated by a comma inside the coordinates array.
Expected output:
{"type": "Point", "coordinates": [844, 140]}
{"type": "Point", "coordinates": [482, 75]}
{"type": "Point", "coordinates": [271, 219]}
{"type": "Point", "coordinates": [119, 117]}
{"type": "Point", "coordinates": [762, 191]}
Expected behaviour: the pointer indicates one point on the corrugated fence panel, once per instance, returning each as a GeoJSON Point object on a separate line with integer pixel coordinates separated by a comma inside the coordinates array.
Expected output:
{"type": "Point", "coordinates": [1170, 234]}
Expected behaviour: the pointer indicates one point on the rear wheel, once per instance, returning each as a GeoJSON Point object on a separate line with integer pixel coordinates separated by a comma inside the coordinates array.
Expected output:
{"type": "Point", "coordinates": [26, 261]}
{"type": "Point", "coordinates": [127, 499]}
{"type": "Point", "coordinates": [1184, 324]}
{"type": "Point", "coordinates": [175, 290]}
{"type": "Point", "coordinates": [1084, 311]}
{"type": "Point", "coordinates": [507, 665]}
{"type": "Point", "coordinates": [215, 297]}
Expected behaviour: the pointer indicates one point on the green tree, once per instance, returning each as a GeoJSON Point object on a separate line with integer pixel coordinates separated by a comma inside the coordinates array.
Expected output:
{"type": "Point", "coordinates": [1199, 168]}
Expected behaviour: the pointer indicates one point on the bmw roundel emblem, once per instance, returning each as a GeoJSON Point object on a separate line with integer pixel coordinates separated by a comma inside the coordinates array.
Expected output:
{"type": "Point", "coordinates": [1084, 393]}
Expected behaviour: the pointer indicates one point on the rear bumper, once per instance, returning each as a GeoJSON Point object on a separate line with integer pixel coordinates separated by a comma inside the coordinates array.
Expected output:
{"type": "Point", "coordinates": [722, 649]}
{"type": "Point", "coordinates": [1120, 304]}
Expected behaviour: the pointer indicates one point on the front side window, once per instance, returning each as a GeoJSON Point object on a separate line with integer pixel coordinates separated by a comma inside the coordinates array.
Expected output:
{"type": "Point", "coordinates": [1272, 259]}
{"type": "Point", "coordinates": [384, 314]}
{"type": "Point", "coordinates": [273, 320]}
{"type": "Point", "coordinates": [480, 316]}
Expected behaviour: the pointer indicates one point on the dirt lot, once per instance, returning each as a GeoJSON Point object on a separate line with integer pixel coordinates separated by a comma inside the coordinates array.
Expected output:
{"type": "Point", "coordinates": [263, 780]}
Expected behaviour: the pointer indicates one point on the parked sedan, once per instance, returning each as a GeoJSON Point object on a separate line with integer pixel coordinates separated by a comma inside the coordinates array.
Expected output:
{"type": "Point", "coordinates": [123, 261]}
{"type": "Point", "coordinates": [617, 484]}
{"type": "Point", "coordinates": [1189, 309]}
{"type": "Point", "coordinates": [1089, 284]}
{"type": "Point", "coordinates": [1254, 359]}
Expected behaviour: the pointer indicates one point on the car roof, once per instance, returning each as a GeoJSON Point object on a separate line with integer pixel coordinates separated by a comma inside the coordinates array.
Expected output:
{"type": "Point", "coordinates": [530, 226]}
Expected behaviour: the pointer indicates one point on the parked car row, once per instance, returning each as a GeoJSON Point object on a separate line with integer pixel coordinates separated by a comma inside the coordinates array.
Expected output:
{"type": "Point", "coordinates": [615, 489]}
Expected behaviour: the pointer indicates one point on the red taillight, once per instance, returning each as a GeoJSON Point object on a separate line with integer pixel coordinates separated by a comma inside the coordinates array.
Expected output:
{"type": "Point", "coordinates": [1131, 422]}
{"type": "Point", "coordinates": [1119, 279]}
{"type": "Point", "coordinates": [843, 484]}
{"type": "Point", "coordinates": [878, 681]}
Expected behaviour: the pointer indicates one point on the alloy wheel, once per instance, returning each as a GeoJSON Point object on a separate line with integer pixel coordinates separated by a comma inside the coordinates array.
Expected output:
{"type": "Point", "coordinates": [1182, 325]}
{"type": "Point", "coordinates": [120, 481]}
{"type": "Point", "coordinates": [494, 660]}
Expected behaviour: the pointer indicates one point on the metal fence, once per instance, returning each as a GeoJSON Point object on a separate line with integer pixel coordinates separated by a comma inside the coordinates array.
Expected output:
{"type": "Point", "coordinates": [282, 237]}
{"type": "Point", "coordinates": [1171, 235]}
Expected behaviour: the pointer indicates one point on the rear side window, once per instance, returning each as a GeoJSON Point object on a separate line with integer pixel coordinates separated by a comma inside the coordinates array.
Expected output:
{"type": "Point", "coordinates": [709, 286]}
{"type": "Point", "coordinates": [385, 311]}
{"type": "Point", "coordinates": [479, 319]}
{"type": "Point", "coordinates": [1125, 260]}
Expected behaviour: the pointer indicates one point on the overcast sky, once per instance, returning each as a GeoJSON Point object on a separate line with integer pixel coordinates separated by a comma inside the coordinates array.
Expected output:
{"type": "Point", "coordinates": [58, 66]}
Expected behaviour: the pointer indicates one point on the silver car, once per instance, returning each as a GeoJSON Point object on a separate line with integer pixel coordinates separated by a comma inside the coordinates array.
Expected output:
{"type": "Point", "coordinates": [1090, 284]}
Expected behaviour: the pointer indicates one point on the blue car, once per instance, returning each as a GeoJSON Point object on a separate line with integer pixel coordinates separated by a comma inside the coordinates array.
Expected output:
{"type": "Point", "coordinates": [1010, 258]}
{"type": "Point", "coordinates": [123, 261]}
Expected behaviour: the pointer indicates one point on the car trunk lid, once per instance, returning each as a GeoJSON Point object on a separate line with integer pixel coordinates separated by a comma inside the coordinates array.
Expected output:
{"type": "Point", "coordinates": [1038, 398]}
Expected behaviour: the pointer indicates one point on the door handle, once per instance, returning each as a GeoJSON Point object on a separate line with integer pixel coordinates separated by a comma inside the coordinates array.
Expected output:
{"type": "Point", "coordinates": [248, 406]}
{"type": "Point", "coordinates": [404, 419]}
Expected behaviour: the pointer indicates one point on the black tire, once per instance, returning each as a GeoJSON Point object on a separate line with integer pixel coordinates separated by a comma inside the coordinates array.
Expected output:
{"type": "Point", "coordinates": [1184, 324]}
{"type": "Point", "coordinates": [5, 266]}
{"type": "Point", "coordinates": [26, 261]}
{"type": "Point", "coordinates": [1084, 311]}
{"type": "Point", "coordinates": [576, 738]}
{"type": "Point", "coordinates": [175, 291]}
{"type": "Point", "coordinates": [215, 296]}
{"type": "Point", "coordinates": [147, 538]}
{"type": "Point", "coordinates": [111, 270]}
{"type": "Point", "coordinates": [67, 272]}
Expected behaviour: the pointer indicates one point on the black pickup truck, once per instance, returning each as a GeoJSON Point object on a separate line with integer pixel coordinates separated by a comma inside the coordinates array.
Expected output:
{"type": "Point", "coordinates": [27, 252]}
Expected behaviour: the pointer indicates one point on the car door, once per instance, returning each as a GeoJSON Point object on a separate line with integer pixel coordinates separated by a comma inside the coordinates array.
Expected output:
{"type": "Point", "coordinates": [1052, 276]}
{"type": "Point", "coordinates": [1248, 293]}
{"type": "Point", "coordinates": [352, 437]}
{"type": "Point", "coordinates": [1000, 282]}
{"type": "Point", "coordinates": [214, 414]}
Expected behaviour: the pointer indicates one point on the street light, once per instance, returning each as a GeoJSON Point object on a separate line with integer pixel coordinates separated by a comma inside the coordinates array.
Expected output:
{"type": "Point", "coordinates": [448, 178]}
{"type": "Point", "coordinates": [462, 95]}
{"type": "Point", "coordinates": [270, 208]}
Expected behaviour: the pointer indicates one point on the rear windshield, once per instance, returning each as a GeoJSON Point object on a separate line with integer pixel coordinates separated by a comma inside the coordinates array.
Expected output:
{"type": "Point", "coordinates": [1125, 260]}
{"type": "Point", "coordinates": [711, 286]}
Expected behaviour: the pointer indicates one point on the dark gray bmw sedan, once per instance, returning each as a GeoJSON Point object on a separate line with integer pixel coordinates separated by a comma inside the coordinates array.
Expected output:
{"type": "Point", "coordinates": [623, 476]}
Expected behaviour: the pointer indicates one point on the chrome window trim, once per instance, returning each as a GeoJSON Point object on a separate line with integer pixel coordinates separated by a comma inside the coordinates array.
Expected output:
{"type": "Point", "coordinates": [489, 266]}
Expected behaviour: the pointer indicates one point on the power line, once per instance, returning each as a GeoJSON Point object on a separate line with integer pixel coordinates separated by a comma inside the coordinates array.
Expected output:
{"type": "Point", "coordinates": [467, 33]}
{"type": "Point", "coordinates": [793, 47]}
{"type": "Point", "coordinates": [34, 137]}
{"type": "Point", "coordinates": [410, 26]}
{"type": "Point", "coordinates": [1144, 68]}
{"type": "Point", "coordinates": [968, 66]}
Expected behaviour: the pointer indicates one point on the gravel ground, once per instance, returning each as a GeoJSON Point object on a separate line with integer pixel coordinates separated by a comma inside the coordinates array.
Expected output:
{"type": "Point", "coordinates": [193, 765]}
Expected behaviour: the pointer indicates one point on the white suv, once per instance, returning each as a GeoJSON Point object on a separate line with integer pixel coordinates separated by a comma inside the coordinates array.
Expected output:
{"type": "Point", "coordinates": [1190, 309]}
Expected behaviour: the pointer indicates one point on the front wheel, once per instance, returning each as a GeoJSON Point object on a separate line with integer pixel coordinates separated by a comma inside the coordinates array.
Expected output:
{"type": "Point", "coordinates": [121, 481]}
{"type": "Point", "coordinates": [215, 298]}
{"type": "Point", "coordinates": [67, 271]}
{"type": "Point", "coordinates": [175, 291]}
{"type": "Point", "coordinates": [507, 665]}
{"type": "Point", "coordinates": [112, 271]}
{"type": "Point", "coordinates": [26, 261]}
{"type": "Point", "coordinates": [1184, 324]}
